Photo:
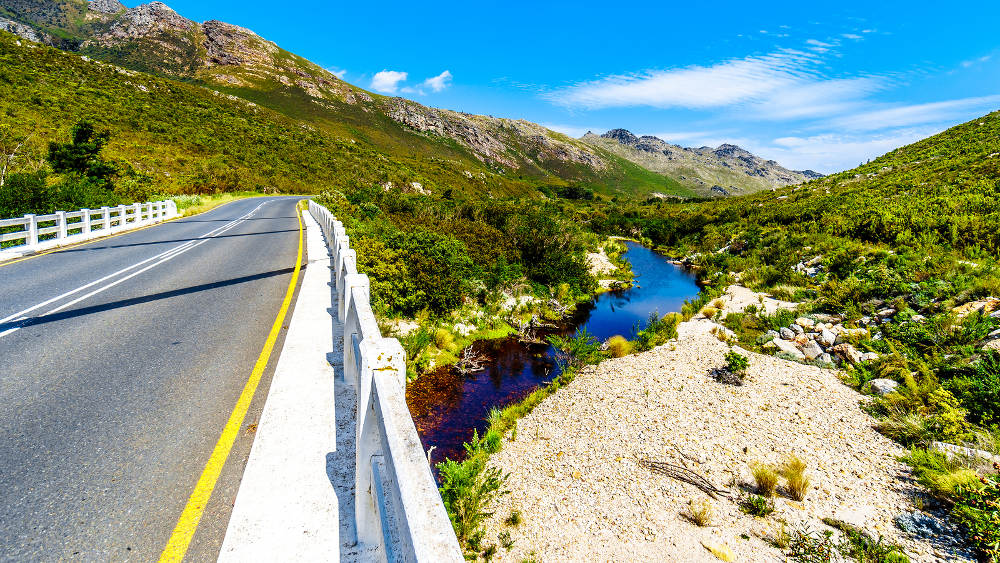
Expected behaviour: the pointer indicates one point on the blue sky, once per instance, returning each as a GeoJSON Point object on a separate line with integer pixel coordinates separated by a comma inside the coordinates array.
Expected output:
{"type": "Point", "coordinates": [821, 85]}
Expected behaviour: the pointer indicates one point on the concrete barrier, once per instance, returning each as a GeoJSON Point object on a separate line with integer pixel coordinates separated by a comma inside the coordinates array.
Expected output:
{"type": "Point", "coordinates": [397, 505]}
{"type": "Point", "coordinates": [41, 232]}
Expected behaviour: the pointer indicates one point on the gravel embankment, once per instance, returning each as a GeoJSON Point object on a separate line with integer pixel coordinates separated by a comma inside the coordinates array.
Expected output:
{"type": "Point", "coordinates": [575, 476]}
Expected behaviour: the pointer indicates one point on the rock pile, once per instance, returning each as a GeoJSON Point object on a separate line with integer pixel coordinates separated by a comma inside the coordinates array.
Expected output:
{"type": "Point", "coordinates": [821, 339]}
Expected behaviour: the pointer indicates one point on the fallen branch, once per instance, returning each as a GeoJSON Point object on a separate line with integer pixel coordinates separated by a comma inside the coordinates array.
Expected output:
{"type": "Point", "coordinates": [686, 475]}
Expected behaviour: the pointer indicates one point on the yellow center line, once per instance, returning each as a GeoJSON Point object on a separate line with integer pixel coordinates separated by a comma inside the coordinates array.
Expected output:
{"type": "Point", "coordinates": [187, 524]}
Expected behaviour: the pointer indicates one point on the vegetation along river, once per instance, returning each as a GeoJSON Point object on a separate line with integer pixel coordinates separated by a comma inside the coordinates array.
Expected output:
{"type": "Point", "coordinates": [447, 406]}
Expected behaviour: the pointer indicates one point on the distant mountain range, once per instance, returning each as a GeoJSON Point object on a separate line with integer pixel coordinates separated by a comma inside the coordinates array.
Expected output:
{"type": "Point", "coordinates": [155, 39]}
{"type": "Point", "coordinates": [725, 170]}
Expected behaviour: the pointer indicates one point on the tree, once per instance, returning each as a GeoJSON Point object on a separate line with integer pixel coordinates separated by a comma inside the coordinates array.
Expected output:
{"type": "Point", "coordinates": [13, 153]}
{"type": "Point", "coordinates": [82, 155]}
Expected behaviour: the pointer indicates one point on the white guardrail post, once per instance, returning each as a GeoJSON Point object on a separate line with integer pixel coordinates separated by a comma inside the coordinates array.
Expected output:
{"type": "Point", "coordinates": [33, 237]}
{"type": "Point", "coordinates": [397, 507]}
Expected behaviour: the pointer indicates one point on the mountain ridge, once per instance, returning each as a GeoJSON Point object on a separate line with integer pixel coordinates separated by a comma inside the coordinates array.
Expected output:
{"type": "Point", "coordinates": [154, 38]}
{"type": "Point", "coordinates": [725, 170]}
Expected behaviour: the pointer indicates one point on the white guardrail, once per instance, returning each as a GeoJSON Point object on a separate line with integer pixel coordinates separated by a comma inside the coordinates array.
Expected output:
{"type": "Point", "coordinates": [397, 504]}
{"type": "Point", "coordinates": [40, 232]}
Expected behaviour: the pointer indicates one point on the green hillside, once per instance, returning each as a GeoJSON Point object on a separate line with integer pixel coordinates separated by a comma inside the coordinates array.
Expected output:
{"type": "Point", "coordinates": [193, 140]}
{"type": "Point", "coordinates": [911, 240]}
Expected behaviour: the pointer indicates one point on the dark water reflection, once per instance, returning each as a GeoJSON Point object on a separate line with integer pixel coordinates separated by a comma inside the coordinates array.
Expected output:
{"type": "Point", "coordinates": [446, 406]}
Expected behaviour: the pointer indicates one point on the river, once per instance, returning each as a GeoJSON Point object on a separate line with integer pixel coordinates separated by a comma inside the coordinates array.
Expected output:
{"type": "Point", "coordinates": [447, 406]}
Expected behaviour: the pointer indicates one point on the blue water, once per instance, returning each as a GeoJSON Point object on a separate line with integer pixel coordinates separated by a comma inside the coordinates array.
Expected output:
{"type": "Point", "coordinates": [661, 287]}
{"type": "Point", "coordinates": [447, 406]}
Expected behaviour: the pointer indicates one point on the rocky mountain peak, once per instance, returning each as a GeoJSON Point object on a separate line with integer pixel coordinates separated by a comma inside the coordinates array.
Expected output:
{"type": "Point", "coordinates": [623, 136]}
{"type": "Point", "coordinates": [145, 20]}
{"type": "Point", "coordinates": [726, 150]}
{"type": "Point", "coordinates": [106, 6]}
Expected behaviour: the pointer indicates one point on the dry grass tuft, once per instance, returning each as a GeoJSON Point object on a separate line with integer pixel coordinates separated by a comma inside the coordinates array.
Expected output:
{"type": "Point", "coordinates": [794, 471]}
{"type": "Point", "coordinates": [766, 479]}
{"type": "Point", "coordinates": [700, 513]}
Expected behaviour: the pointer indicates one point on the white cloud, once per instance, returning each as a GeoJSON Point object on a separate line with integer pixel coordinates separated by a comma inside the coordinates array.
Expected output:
{"type": "Point", "coordinates": [388, 81]}
{"type": "Point", "coordinates": [907, 116]}
{"type": "Point", "coordinates": [439, 82]}
{"type": "Point", "coordinates": [967, 64]}
{"type": "Point", "coordinates": [853, 36]}
{"type": "Point", "coordinates": [782, 85]}
{"type": "Point", "coordinates": [831, 152]}
{"type": "Point", "coordinates": [338, 73]}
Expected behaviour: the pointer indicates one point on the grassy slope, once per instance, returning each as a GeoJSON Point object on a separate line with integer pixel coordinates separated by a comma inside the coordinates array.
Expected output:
{"type": "Point", "coordinates": [190, 138]}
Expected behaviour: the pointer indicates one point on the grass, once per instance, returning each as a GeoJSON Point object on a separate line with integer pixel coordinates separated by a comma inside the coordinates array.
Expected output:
{"type": "Point", "coordinates": [618, 346]}
{"type": "Point", "coordinates": [765, 478]}
{"type": "Point", "coordinates": [193, 205]}
{"type": "Point", "coordinates": [700, 513]}
{"type": "Point", "coordinates": [794, 472]}
{"type": "Point", "coordinates": [756, 505]}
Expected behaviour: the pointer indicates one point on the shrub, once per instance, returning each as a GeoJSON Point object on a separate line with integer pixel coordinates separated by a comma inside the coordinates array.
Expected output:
{"type": "Point", "coordinates": [618, 346]}
{"type": "Point", "coordinates": [766, 479]}
{"type": "Point", "coordinates": [576, 351]}
{"type": "Point", "coordinates": [978, 389]}
{"type": "Point", "coordinates": [657, 332]}
{"type": "Point", "coordinates": [809, 547]}
{"type": "Point", "coordinates": [505, 540]}
{"type": "Point", "coordinates": [700, 513]}
{"type": "Point", "coordinates": [756, 505]}
{"type": "Point", "coordinates": [794, 472]}
{"type": "Point", "coordinates": [977, 508]}
{"type": "Point", "coordinates": [468, 489]}
{"type": "Point", "coordinates": [444, 339]}
{"type": "Point", "coordinates": [709, 312]}
{"type": "Point", "coordinates": [736, 362]}
{"type": "Point", "coordinates": [859, 546]}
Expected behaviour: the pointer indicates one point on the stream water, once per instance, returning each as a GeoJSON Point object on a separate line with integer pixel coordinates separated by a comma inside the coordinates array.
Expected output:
{"type": "Point", "coordinates": [447, 406]}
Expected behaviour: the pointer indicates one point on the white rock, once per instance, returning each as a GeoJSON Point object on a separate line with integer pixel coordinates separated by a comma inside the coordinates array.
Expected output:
{"type": "Point", "coordinates": [786, 333]}
{"type": "Point", "coordinates": [827, 338]}
{"type": "Point", "coordinates": [882, 386]}
{"type": "Point", "coordinates": [797, 329]}
{"type": "Point", "coordinates": [812, 351]}
{"type": "Point", "coordinates": [805, 322]}
{"type": "Point", "coordinates": [789, 348]}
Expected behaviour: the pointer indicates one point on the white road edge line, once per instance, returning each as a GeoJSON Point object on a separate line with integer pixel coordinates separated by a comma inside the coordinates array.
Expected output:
{"type": "Point", "coordinates": [163, 256]}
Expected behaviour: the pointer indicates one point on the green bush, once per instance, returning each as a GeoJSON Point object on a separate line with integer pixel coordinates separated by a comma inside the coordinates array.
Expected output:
{"type": "Point", "coordinates": [736, 363]}
{"type": "Point", "coordinates": [977, 508]}
{"type": "Point", "coordinates": [576, 351]}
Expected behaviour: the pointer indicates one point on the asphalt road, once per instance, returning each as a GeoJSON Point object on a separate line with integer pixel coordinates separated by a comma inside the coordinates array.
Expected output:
{"type": "Point", "coordinates": [113, 396]}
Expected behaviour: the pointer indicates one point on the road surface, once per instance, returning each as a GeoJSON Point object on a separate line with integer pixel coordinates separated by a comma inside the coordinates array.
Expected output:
{"type": "Point", "coordinates": [120, 362]}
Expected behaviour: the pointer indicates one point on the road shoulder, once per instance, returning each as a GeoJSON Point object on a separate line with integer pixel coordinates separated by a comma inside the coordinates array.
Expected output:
{"type": "Point", "coordinates": [286, 507]}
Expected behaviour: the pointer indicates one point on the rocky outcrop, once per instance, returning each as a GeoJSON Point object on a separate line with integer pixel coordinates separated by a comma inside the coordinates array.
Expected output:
{"type": "Point", "coordinates": [493, 140]}
{"type": "Point", "coordinates": [722, 171]}
{"type": "Point", "coordinates": [140, 22]}
{"type": "Point", "coordinates": [21, 30]}
{"type": "Point", "coordinates": [106, 6]}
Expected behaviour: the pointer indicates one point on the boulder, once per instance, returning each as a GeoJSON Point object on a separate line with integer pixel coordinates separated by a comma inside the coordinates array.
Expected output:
{"type": "Point", "coordinates": [812, 351]}
{"type": "Point", "coordinates": [826, 338]}
{"type": "Point", "coordinates": [847, 352]}
{"type": "Point", "coordinates": [869, 356]}
{"type": "Point", "coordinates": [825, 358]}
{"type": "Point", "coordinates": [772, 334]}
{"type": "Point", "coordinates": [805, 322]}
{"type": "Point", "coordinates": [786, 333]}
{"type": "Point", "coordinates": [789, 348]}
{"type": "Point", "coordinates": [797, 329]}
{"type": "Point", "coordinates": [882, 386]}
{"type": "Point", "coordinates": [769, 345]}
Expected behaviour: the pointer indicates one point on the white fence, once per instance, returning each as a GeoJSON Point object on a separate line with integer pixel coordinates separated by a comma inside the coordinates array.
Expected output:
{"type": "Point", "coordinates": [39, 232]}
{"type": "Point", "coordinates": [397, 505]}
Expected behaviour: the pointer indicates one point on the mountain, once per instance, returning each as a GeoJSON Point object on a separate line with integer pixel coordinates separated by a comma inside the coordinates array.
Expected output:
{"type": "Point", "coordinates": [154, 39]}
{"type": "Point", "coordinates": [726, 170]}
